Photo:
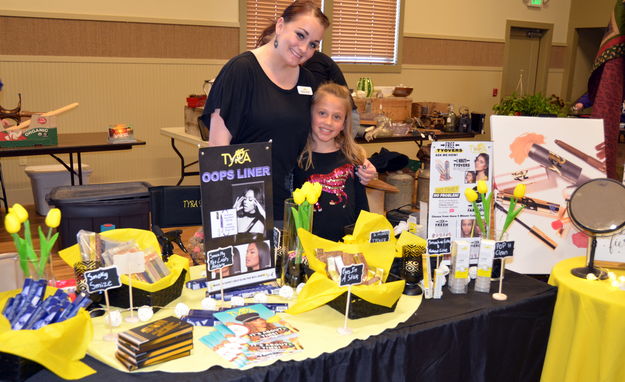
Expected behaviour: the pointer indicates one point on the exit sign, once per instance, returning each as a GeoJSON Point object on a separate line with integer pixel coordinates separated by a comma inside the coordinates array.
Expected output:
{"type": "Point", "coordinates": [535, 3]}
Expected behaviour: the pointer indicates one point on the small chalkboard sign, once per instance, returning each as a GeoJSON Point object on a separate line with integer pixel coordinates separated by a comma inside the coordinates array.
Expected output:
{"type": "Point", "coordinates": [380, 236]}
{"type": "Point", "coordinates": [504, 249]}
{"type": "Point", "coordinates": [351, 275]}
{"type": "Point", "coordinates": [219, 258]}
{"type": "Point", "coordinates": [102, 279]}
{"type": "Point", "coordinates": [439, 246]}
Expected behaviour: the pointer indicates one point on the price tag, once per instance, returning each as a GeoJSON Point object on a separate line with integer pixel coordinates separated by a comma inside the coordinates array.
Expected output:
{"type": "Point", "coordinates": [351, 275]}
{"type": "Point", "coordinates": [380, 236]}
{"type": "Point", "coordinates": [439, 246]}
{"type": "Point", "coordinates": [219, 258]}
{"type": "Point", "coordinates": [504, 249]}
{"type": "Point", "coordinates": [102, 279]}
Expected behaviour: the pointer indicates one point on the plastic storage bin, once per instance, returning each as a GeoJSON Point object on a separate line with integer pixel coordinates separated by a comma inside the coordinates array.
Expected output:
{"type": "Point", "coordinates": [44, 178]}
{"type": "Point", "coordinates": [126, 205]}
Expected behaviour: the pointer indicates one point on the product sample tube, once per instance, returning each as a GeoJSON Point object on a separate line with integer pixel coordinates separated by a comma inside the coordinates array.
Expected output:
{"type": "Point", "coordinates": [459, 274]}
{"type": "Point", "coordinates": [485, 266]}
{"type": "Point", "coordinates": [555, 163]}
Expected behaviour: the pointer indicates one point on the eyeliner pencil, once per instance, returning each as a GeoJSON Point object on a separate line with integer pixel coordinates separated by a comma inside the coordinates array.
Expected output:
{"type": "Point", "coordinates": [596, 163]}
{"type": "Point", "coordinates": [533, 230]}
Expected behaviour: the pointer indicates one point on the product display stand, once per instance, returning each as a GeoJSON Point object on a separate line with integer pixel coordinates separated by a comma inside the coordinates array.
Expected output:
{"type": "Point", "coordinates": [132, 317]}
{"type": "Point", "coordinates": [499, 296]}
{"type": "Point", "coordinates": [345, 330]}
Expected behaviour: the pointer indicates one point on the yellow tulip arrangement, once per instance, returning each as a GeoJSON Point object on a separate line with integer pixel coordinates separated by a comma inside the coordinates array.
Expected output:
{"type": "Point", "coordinates": [305, 198]}
{"type": "Point", "coordinates": [13, 221]}
{"type": "Point", "coordinates": [519, 193]}
{"type": "Point", "coordinates": [483, 221]}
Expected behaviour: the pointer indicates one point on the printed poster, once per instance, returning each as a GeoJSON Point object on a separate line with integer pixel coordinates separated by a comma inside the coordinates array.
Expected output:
{"type": "Point", "coordinates": [237, 213]}
{"type": "Point", "coordinates": [552, 156]}
{"type": "Point", "coordinates": [455, 166]}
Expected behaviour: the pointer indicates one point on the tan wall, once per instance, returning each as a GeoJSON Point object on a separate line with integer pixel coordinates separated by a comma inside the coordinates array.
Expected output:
{"type": "Point", "coordinates": [202, 12]}
{"type": "Point", "coordinates": [146, 85]}
{"type": "Point", "coordinates": [484, 19]}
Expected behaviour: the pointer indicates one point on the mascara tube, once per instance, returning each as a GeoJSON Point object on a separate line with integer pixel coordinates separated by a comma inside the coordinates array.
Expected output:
{"type": "Point", "coordinates": [555, 163]}
{"type": "Point", "coordinates": [531, 204]}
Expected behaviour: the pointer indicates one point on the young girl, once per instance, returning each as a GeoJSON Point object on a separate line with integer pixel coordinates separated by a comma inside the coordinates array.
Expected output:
{"type": "Point", "coordinates": [329, 158]}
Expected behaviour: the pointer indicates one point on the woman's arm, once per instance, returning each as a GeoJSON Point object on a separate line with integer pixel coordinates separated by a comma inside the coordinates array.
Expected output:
{"type": "Point", "coordinates": [218, 132]}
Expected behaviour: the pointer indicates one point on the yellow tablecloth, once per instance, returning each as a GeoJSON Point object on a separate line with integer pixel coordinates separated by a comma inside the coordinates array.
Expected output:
{"type": "Point", "coordinates": [588, 328]}
{"type": "Point", "coordinates": [317, 327]}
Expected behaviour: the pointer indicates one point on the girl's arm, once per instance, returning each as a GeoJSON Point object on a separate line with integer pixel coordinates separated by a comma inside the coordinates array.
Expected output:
{"type": "Point", "coordinates": [218, 134]}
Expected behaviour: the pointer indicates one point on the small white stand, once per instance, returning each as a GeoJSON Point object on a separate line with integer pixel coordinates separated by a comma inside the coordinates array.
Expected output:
{"type": "Point", "coordinates": [221, 284]}
{"type": "Point", "coordinates": [501, 296]}
{"type": "Point", "coordinates": [132, 317]}
{"type": "Point", "coordinates": [110, 336]}
{"type": "Point", "coordinates": [345, 330]}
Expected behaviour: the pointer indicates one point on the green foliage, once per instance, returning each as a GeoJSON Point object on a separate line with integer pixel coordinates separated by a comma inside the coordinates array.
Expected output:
{"type": "Point", "coordinates": [530, 105]}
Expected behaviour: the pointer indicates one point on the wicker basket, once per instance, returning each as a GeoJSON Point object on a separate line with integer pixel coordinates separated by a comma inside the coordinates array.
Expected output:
{"type": "Point", "coordinates": [119, 296]}
{"type": "Point", "coordinates": [360, 308]}
{"type": "Point", "coordinates": [15, 368]}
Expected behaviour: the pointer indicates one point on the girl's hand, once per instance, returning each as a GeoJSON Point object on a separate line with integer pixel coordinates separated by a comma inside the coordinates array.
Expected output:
{"type": "Point", "coordinates": [238, 203]}
{"type": "Point", "coordinates": [367, 172]}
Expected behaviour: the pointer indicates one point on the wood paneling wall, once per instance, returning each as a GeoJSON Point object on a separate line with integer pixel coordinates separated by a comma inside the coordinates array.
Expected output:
{"type": "Point", "coordinates": [64, 37]}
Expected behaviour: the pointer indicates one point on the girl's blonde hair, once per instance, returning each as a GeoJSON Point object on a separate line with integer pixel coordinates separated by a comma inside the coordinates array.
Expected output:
{"type": "Point", "coordinates": [353, 152]}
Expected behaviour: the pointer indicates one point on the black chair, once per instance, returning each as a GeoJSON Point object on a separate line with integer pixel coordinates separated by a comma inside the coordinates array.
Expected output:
{"type": "Point", "coordinates": [174, 206]}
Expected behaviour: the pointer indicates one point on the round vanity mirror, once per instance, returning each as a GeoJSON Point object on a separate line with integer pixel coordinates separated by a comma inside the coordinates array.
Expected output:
{"type": "Point", "coordinates": [597, 208]}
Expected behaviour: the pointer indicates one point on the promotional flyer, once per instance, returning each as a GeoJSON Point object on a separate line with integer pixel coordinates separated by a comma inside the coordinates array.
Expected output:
{"type": "Point", "coordinates": [237, 214]}
{"type": "Point", "coordinates": [455, 166]}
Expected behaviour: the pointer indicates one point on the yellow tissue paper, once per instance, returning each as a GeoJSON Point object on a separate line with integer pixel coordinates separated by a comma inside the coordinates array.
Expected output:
{"type": "Point", "coordinates": [320, 289]}
{"type": "Point", "coordinates": [144, 239]}
{"type": "Point", "coordinates": [58, 347]}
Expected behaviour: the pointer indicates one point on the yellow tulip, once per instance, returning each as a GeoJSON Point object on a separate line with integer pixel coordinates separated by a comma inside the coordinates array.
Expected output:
{"type": "Point", "coordinates": [53, 218]}
{"type": "Point", "coordinates": [482, 187]}
{"type": "Point", "coordinates": [20, 212]}
{"type": "Point", "coordinates": [318, 189]}
{"type": "Point", "coordinates": [12, 223]}
{"type": "Point", "coordinates": [519, 191]}
{"type": "Point", "coordinates": [312, 196]}
{"type": "Point", "coordinates": [299, 196]}
{"type": "Point", "coordinates": [470, 194]}
{"type": "Point", "coordinates": [307, 187]}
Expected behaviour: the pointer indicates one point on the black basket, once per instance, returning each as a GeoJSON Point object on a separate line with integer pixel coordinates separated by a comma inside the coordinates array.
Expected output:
{"type": "Point", "coordinates": [16, 368]}
{"type": "Point", "coordinates": [119, 296]}
{"type": "Point", "coordinates": [360, 308]}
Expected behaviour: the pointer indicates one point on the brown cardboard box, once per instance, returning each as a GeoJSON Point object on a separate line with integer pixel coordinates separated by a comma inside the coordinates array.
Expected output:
{"type": "Point", "coordinates": [191, 115]}
{"type": "Point", "coordinates": [397, 108]}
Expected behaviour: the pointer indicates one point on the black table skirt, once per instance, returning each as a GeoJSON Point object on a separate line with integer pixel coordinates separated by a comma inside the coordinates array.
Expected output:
{"type": "Point", "coordinates": [457, 338]}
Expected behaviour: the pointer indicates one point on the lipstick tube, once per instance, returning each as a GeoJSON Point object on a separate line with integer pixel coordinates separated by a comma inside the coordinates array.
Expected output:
{"type": "Point", "coordinates": [555, 163]}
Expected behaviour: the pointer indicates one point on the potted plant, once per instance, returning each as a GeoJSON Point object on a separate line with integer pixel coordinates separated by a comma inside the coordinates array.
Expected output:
{"type": "Point", "coordinates": [531, 105]}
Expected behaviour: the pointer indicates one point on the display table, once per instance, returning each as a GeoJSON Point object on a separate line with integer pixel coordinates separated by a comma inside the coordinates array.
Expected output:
{"type": "Point", "coordinates": [588, 328]}
{"type": "Point", "coordinates": [460, 337]}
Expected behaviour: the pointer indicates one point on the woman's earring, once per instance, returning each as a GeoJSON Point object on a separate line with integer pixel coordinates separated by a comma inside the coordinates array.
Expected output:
{"type": "Point", "coordinates": [275, 42]}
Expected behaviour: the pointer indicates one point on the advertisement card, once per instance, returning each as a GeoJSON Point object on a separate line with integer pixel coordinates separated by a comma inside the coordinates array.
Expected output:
{"type": "Point", "coordinates": [552, 157]}
{"type": "Point", "coordinates": [455, 166]}
{"type": "Point", "coordinates": [236, 188]}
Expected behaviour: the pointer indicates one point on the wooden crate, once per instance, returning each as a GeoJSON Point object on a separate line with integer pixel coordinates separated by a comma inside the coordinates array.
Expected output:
{"type": "Point", "coordinates": [397, 108]}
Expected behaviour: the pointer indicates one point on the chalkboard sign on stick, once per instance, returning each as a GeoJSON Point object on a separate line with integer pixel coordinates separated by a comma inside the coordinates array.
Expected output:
{"type": "Point", "coordinates": [102, 279]}
{"type": "Point", "coordinates": [439, 246]}
{"type": "Point", "coordinates": [219, 258]}
{"type": "Point", "coordinates": [351, 275]}
{"type": "Point", "coordinates": [504, 249]}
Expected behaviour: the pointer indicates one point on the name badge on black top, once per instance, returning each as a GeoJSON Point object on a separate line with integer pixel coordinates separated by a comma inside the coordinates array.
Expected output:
{"type": "Point", "coordinates": [304, 90]}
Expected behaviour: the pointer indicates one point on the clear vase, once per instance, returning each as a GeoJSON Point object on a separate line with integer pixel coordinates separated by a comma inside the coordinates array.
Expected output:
{"type": "Point", "coordinates": [38, 269]}
{"type": "Point", "coordinates": [292, 252]}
